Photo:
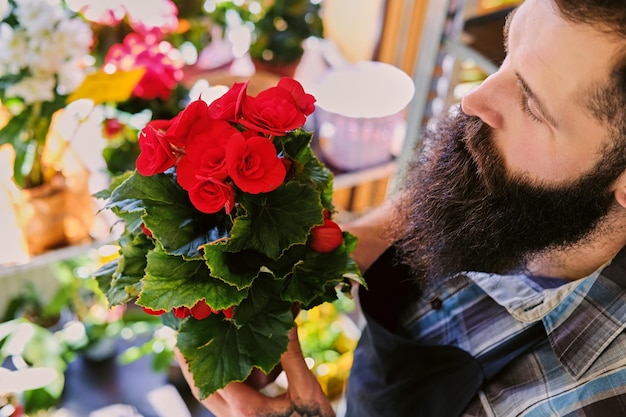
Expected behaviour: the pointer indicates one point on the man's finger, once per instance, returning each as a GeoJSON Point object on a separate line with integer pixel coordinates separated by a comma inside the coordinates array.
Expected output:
{"type": "Point", "coordinates": [215, 402]}
{"type": "Point", "coordinates": [246, 401]}
{"type": "Point", "coordinates": [294, 365]}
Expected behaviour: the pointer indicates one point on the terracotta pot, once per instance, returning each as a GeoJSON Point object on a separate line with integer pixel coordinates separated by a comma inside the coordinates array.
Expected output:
{"type": "Point", "coordinates": [283, 70]}
{"type": "Point", "coordinates": [56, 214]}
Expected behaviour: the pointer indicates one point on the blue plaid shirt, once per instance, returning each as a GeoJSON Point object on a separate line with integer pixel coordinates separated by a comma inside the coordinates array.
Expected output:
{"type": "Point", "coordinates": [549, 347]}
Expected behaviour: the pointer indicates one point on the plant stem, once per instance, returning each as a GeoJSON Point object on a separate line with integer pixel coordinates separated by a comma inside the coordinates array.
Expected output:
{"type": "Point", "coordinates": [37, 133]}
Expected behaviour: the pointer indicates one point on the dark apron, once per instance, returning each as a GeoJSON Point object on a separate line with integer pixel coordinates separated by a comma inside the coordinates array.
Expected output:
{"type": "Point", "coordinates": [394, 376]}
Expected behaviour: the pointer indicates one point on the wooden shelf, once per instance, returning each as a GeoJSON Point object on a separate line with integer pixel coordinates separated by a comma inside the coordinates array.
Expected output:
{"type": "Point", "coordinates": [45, 259]}
{"type": "Point", "coordinates": [352, 179]}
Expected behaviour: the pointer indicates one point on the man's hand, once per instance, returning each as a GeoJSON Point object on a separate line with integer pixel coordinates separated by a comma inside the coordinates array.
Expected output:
{"type": "Point", "coordinates": [304, 396]}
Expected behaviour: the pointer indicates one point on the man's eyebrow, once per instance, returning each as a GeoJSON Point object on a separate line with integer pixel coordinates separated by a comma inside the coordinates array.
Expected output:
{"type": "Point", "coordinates": [505, 29]}
{"type": "Point", "coordinates": [538, 102]}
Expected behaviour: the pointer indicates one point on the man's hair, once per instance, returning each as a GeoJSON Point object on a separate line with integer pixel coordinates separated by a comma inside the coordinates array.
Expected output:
{"type": "Point", "coordinates": [607, 102]}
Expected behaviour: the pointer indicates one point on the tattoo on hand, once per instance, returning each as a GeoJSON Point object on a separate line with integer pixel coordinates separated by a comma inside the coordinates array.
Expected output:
{"type": "Point", "coordinates": [300, 410]}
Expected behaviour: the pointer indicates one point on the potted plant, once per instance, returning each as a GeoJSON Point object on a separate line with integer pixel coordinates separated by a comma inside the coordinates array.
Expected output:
{"type": "Point", "coordinates": [228, 230]}
{"type": "Point", "coordinates": [42, 51]}
{"type": "Point", "coordinates": [279, 28]}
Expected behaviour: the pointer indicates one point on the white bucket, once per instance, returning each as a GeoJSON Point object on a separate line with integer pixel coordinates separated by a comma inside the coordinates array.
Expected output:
{"type": "Point", "coordinates": [359, 113]}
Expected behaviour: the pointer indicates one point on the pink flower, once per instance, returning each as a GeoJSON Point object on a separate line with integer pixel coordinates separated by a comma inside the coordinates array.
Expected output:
{"type": "Point", "coordinates": [161, 60]}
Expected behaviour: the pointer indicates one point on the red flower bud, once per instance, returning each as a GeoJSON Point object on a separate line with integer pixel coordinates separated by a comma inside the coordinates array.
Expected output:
{"type": "Point", "coordinates": [201, 310]}
{"type": "Point", "coordinates": [152, 312]}
{"type": "Point", "coordinates": [145, 230]}
{"type": "Point", "coordinates": [112, 127]}
{"type": "Point", "coordinates": [327, 237]}
{"type": "Point", "coordinates": [181, 312]}
{"type": "Point", "coordinates": [228, 313]}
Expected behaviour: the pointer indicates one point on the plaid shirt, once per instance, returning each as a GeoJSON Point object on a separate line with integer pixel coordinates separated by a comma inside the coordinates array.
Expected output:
{"type": "Point", "coordinates": [547, 350]}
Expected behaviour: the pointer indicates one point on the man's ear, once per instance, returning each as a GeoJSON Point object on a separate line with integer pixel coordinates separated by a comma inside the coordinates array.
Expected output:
{"type": "Point", "coordinates": [620, 190]}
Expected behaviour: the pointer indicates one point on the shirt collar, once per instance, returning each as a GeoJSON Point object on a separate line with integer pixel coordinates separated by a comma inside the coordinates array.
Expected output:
{"type": "Point", "coordinates": [581, 317]}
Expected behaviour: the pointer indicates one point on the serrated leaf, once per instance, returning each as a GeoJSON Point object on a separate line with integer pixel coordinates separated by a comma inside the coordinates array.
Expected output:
{"type": "Point", "coordinates": [314, 172]}
{"type": "Point", "coordinates": [352, 271]}
{"type": "Point", "coordinates": [263, 296]}
{"type": "Point", "coordinates": [166, 210]}
{"type": "Point", "coordinates": [238, 269]}
{"type": "Point", "coordinates": [104, 275]}
{"type": "Point", "coordinates": [274, 221]}
{"type": "Point", "coordinates": [295, 144]}
{"type": "Point", "coordinates": [218, 352]}
{"type": "Point", "coordinates": [317, 272]}
{"type": "Point", "coordinates": [126, 282]}
{"type": "Point", "coordinates": [308, 169]}
{"type": "Point", "coordinates": [124, 289]}
{"type": "Point", "coordinates": [172, 281]}
{"type": "Point", "coordinates": [116, 181]}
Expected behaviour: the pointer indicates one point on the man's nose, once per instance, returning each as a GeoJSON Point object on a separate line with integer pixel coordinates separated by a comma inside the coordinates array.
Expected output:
{"type": "Point", "coordinates": [485, 102]}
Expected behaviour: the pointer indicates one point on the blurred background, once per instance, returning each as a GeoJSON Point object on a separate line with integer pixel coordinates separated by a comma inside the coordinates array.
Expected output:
{"type": "Point", "coordinates": [78, 81]}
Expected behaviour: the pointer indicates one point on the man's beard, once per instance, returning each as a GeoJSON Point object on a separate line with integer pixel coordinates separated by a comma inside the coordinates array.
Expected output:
{"type": "Point", "coordinates": [461, 211]}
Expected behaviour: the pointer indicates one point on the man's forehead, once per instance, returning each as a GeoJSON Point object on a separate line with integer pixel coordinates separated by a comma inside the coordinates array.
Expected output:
{"type": "Point", "coordinates": [560, 60]}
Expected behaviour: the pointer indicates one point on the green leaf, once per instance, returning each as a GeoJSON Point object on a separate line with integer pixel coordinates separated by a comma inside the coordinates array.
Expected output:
{"type": "Point", "coordinates": [296, 143]}
{"type": "Point", "coordinates": [168, 213]}
{"type": "Point", "coordinates": [308, 168]}
{"type": "Point", "coordinates": [263, 296]}
{"type": "Point", "coordinates": [104, 275]}
{"type": "Point", "coordinates": [11, 132]}
{"type": "Point", "coordinates": [238, 269]}
{"type": "Point", "coordinates": [172, 281]}
{"type": "Point", "coordinates": [116, 181]}
{"type": "Point", "coordinates": [318, 272]}
{"type": "Point", "coordinates": [126, 280]}
{"type": "Point", "coordinates": [352, 271]}
{"type": "Point", "coordinates": [274, 221]}
{"type": "Point", "coordinates": [218, 352]}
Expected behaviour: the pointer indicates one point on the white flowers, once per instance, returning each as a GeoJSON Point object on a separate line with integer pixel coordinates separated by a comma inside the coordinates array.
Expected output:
{"type": "Point", "coordinates": [45, 51]}
{"type": "Point", "coordinates": [4, 8]}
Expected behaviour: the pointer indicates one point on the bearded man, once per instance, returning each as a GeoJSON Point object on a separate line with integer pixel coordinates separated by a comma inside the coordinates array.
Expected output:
{"type": "Point", "coordinates": [502, 289]}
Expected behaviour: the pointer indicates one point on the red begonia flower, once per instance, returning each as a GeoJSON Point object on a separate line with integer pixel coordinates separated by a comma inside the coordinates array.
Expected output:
{"type": "Point", "coordinates": [205, 155]}
{"type": "Point", "coordinates": [253, 164]}
{"type": "Point", "coordinates": [210, 196]}
{"type": "Point", "coordinates": [228, 107]}
{"type": "Point", "coordinates": [194, 117]}
{"type": "Point", "coordinates": [273, 112]}
{"type": "Point", "coordinates": [304, 101]}
{"type": "Point", "coordinates": [156, 154]}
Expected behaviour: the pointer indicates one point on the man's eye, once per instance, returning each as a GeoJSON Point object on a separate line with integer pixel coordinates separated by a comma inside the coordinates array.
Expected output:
{"type": "Point", "coordinates": [527, 111]}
